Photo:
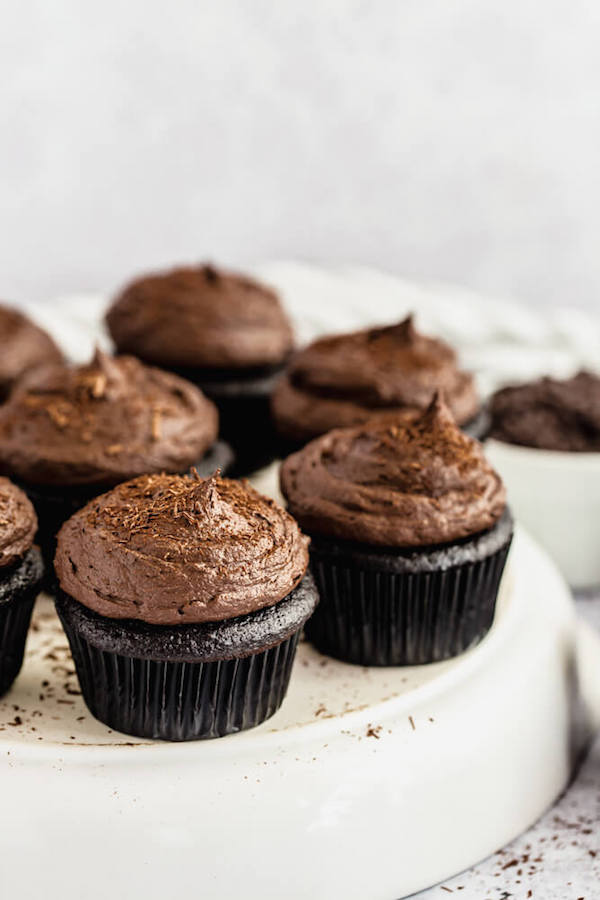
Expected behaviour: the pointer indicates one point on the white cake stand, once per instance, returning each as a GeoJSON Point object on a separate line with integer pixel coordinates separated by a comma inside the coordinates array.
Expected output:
{"type": "Point", "coordinates": [368, 783]}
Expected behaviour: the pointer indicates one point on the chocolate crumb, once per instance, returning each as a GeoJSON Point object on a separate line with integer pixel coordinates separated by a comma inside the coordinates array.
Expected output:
{"type": "Point", "coordinates": [374, 731]}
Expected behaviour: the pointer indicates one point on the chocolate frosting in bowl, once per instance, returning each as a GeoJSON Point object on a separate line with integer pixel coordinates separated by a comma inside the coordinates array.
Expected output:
{"type": "Point", "coordinates": [103, 423]}
{"type": "Point", "coordinates": [23, 345]}
{"type": "Point", "coordinates": [200, 317]}
{"type": "Point", "coordinates": [168, 550]}
{"type": "Point", "coordinates": [394, 483]}
{"type": "Point", "coordinates": [550, 414]}
{"type": "Point", "coordinates": [18, 523]}
{"type": "Point", "coordinates": [347, 379]}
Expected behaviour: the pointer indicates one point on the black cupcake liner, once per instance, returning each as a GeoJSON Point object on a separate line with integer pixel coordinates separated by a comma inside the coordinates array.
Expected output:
{"type": "Point", "coordinates": [55, 504]}
{"type": "Point", "coordinates": [479, 426]}
{"type": "Point", "coordinates": [245, 421]}
{"type": "Point", "coordinates": [392, 608]}
{"type": "Point", "coordinates": [243, 398]}
{"type": "Point", "coordinates": [19, 587]}
{"type": "Point", "coordinates": [182, 701]}
{"type": "Point", "coordinates": [168, 682]}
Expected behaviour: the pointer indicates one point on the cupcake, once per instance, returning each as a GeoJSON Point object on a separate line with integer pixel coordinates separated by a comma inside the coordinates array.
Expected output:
{"type": "Point", "coordinates": [23, 346]}
{"type": "Point", "coordinates": [409, 536]}
{"type": "Point", "coordinates": [346, 379]}
{"type": "Point", "coordinates": [183, 600]}
{"type": "Point", "coordinates": [21, 572]}
{"type": "Point", "coordinates": [545, 442]}
{"type": "Point", "coordinates": [69, 433]}
{"type": "Point", "coordinates": [225, 332]}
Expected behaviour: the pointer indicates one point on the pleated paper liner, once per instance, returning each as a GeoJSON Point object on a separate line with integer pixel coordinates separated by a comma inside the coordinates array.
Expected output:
{"type": "Point", "coordinates": [380, 608]}
{"type": "Point", "coordinates": [19, 588]}
{"type": "Point", "coordinates": [174, 686]}
{"type": "Point", "coordinates": [180, 701]}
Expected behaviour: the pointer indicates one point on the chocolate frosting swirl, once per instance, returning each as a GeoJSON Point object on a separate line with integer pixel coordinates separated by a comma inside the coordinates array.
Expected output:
{"type": "Point", "coordinates": [394, 482]}
{"type": "Point", "coordinates": [23, 345]}
{"type": "Point", "coordinates": [103, 423]}
{"type": "Point", "coordinates": [550, 414]}
{"type": "Point", "coordinates": [169, 549]}
{"type": "Point", "coordinates": [202, 318]}
{"type": "Point", "coordinates": [346, 379]}
{"type": "Point", "coordinates": [18, 523]}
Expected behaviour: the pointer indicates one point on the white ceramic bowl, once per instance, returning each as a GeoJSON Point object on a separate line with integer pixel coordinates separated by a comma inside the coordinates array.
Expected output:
{"type": "Point", "coordinates": [556, 496]}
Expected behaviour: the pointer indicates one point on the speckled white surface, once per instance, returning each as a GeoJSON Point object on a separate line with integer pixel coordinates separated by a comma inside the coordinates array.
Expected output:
{"type": "Point", "coordinates": [558, 859]}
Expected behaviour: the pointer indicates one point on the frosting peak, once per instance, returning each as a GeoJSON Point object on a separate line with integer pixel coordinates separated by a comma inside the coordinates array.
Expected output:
{"type": "Point", "coordinates": [171, 549]}
{"type": "Point", "coordinates": [102, 423]}
{"type": "Point", "coordinates": [395, 482]}
{"type": "Point", "coordinates": [404, 332]}
{"type": "Point", "coordinates": [18, 523]}
{"type": "Point", "coordinates": [200, 317]}
{"type": "Point", "coordinates": [348, 378]}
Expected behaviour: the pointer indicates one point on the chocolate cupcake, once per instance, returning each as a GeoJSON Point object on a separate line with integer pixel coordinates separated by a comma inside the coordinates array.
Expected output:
{"type": "Point", "coordinates": [69, 433]}
{"type": "Point", "coordinates": [21, 572]}
{"type": "Point", "coordinates": [225, 332]}
{"type": "Point", "coordinates": [549, 414]}
{"type": "Point", "coordinates": [347, 379]}
{"type": "Point", "coordinates": [409, 536]}
{"type": "Point", "coordinates": [183, 600]}
{"type": "Point", "coordinates": [23, 346]}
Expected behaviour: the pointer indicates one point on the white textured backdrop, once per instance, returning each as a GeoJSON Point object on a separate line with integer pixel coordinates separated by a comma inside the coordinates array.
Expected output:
{"type": "Point", "coordinates": [447, 139]}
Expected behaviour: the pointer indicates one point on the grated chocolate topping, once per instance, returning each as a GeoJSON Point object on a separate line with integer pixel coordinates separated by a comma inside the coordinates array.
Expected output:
{"type": "Point", "coordinates": [395, 482]}
{"type": "Point", "coordinates": [171, 549]}
{"type": "Point", "coordinates": [103, 423]}
{"type": "Point", "coordinates": [18, 523]}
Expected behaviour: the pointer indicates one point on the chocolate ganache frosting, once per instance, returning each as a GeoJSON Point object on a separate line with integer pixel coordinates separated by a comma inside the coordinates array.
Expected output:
{"type": "Point", "coordinates": [550, 414]}
{"type": "Point", "coordinates": [103, 423]}
{"type": "Point", "coordinates": [201, 318]}
{"type": "Point", "coordinates": [170, 549]}
{"type": "Point", "coordinates": [18, 523]}
{"type": "Point", "coordinates": [394, 483]}
{"type": "Point", "coordinates": [348, 378]}
{"type": "Point", "coordinates": [23, 345]}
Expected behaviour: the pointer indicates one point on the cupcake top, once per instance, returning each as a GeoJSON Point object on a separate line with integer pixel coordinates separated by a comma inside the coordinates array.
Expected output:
{"type": "Point", "coordinates": [103, 423]}
{"type": "Point", "coordinates": [18, 523]}
{"type": "Point", "coordinates": [170, 549]}
{"type": "Point", "coordinates": [395, 482]}
{"type": "Point", "coordinates": [23, 345]}
{"type": "Point", "coordinates": [348, 378]}
{"type": "Point", "coordinates": [200, 317]}
{"type": "Point", "coordinates": [550, 414]}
